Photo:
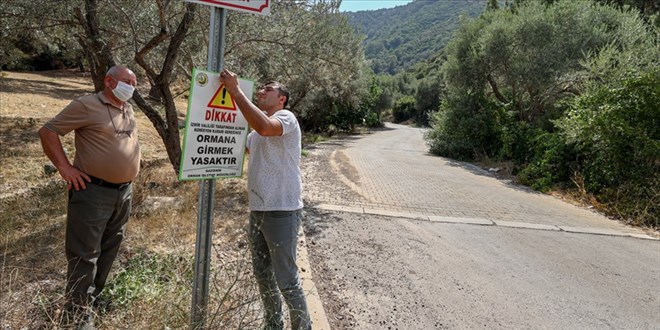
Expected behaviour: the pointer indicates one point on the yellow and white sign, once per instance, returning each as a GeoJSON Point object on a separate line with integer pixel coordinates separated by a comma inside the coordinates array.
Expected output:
{"type": "Point", "coordinates": [216, 131]}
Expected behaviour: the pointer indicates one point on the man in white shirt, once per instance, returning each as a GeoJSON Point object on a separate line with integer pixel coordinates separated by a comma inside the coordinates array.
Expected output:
{"type": "Point", "coordinates": [275, 200]}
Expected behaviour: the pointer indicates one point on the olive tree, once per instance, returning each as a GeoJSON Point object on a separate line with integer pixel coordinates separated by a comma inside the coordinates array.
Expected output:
{"type": "Point", "coordinates": [310, 47]}
{"type": "Point", "coordinates": [37, 37]}
{"type": "Point", "coordinates": [522, 67]}
{"type": "Point", "coordinates": [305, 44]}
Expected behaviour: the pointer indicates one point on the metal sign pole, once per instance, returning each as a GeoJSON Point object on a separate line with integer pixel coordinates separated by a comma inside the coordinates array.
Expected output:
{"type": "Point", "coordinates": [207, 189]}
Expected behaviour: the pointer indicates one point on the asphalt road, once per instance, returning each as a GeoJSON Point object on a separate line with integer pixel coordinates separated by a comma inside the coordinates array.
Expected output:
{"type": "Point", "coordinates": [399, 239]}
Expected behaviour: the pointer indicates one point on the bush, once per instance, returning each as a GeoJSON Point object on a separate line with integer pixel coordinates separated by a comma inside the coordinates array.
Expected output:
{"type": "Point", "coordinates": [147, 277]}
{"type": "Point", "coordinates": [616, 134]}
{"type": "Point", "coordinates": [465, 127]}
{"type": "Point", "coordinates": [332, 115]}
{"type": "Point", "coordinates": [403, 109]}
{"type": "Point", "coordinates": [372, 120]}
{"type": "Point", "coordinates": [518, 139]}
{"type": "Point", "coordinates": [427, 100]}
{"type": "Point", "coordinates": [553, 163]}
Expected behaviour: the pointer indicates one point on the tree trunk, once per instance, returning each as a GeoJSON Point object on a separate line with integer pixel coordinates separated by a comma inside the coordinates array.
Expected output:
{"type": "Point", "coordinates": [168, 128]}
{"type": "Point", "coordinates": [98, 53]}
{"type": "Point", "coordinates": [97, 50]}
{"type": "Point", "coordinates": [496, 90]}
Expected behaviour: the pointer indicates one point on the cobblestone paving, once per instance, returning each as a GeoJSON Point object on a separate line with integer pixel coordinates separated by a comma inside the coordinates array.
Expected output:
{"type": "Point", "coordinates": [390, 170]}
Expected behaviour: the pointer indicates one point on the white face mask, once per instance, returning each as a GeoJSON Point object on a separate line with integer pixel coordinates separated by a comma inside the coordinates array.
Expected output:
{"type": "Point", "coordinates": [123, 91]}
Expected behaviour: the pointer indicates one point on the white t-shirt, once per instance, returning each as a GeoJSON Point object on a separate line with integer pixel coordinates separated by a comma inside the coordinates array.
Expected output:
{"type": "Point", "coordinates": [274, 180]}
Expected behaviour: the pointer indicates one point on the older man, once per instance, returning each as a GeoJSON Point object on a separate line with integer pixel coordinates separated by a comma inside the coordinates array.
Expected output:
{"type": "Point", "coordinates": [106, 161]}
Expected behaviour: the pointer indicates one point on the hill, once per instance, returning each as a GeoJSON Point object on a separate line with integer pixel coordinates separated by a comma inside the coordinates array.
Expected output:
{"type": "Point", "coordinates": [396, 38]}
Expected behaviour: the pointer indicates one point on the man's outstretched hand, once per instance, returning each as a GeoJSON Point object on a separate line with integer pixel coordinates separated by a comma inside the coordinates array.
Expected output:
{"type": "Point", "coordinates": [230, 80]}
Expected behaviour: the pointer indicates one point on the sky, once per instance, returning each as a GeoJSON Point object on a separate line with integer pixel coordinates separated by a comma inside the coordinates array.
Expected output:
{"type": "Point", "coordinates": [357, 5]}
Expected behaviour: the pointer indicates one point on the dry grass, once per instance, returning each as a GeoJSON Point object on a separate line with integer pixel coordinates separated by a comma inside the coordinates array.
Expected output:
{"type": "Point", "coordinates": [151, 282]}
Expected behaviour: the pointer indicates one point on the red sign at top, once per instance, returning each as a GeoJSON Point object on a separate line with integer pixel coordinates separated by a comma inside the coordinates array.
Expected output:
{"type": "Point", "coordinates": [250, 6]}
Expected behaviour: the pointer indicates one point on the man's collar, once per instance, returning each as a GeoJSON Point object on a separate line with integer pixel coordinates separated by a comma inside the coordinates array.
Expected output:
{"type": "Point", "coordinates": [103, 98]}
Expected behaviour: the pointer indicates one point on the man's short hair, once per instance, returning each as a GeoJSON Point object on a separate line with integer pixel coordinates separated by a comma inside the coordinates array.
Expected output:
{"type": "Point", "coordinates": [114, 70]}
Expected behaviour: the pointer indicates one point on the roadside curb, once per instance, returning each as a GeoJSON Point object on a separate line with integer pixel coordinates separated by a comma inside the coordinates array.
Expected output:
{"type": "Point", "coordinates": [482, 222]}
{"type": "Point", "coordinates": [314, 304]}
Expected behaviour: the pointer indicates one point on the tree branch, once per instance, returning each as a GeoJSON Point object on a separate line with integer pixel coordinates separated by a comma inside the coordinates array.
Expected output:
{"type": "Point", "coordinates": [176, 41]}
{"type": "Point", "coordinates": [151, 113]}
{"type": "Point", "coordinates": [496, 91]}
{"type": "Point", "coordinates": [153, 43]}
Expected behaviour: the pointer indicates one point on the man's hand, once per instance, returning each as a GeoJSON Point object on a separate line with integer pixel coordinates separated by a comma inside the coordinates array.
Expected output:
{"type": "Point", "coordinates": [260, 122]}
{"type": "Point", "coordinates": [74, 178]}
{"type": "Point", "coordinates": [230, 80]}
{"type": "Point", "coordinates": [52, 146]}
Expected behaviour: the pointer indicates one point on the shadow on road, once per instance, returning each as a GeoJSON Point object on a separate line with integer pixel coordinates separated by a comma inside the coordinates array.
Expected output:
{"type": "Point", "coordinates": [317, 220]}
{"type": "Point", "coordinates": [476, 170]}
{"type": "Point", "coordinates": [340, 141]}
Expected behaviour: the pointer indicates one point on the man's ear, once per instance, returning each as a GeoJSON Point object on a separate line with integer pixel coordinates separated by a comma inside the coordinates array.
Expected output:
{"type": "Point", "coordinates": [107, 80]}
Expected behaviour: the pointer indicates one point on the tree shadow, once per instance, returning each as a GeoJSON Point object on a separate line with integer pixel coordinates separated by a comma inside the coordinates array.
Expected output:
{"type": "Point", "coordinates": [380, 129]}
{"type": "Point", "coordinates": [476, 170]}
{"type": "Point", "coordinates": [16, 133]}
{"type": "Point", "coordinates": [37, 251]}
{"type": "Point", "coordinates": [335, 141]}
{"type": "Point", "coordinates": [52, 89]}
{"type": "Point", "coordinates": [317, 220]}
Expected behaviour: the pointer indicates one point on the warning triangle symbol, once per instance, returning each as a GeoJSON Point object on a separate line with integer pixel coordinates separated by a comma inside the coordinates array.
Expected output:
{"type": "Point", "coordinates": [222, 100]}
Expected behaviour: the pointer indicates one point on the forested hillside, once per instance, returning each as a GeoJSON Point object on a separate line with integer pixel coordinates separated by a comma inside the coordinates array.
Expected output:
{"type": "Point", "coordinates": [401, 36]}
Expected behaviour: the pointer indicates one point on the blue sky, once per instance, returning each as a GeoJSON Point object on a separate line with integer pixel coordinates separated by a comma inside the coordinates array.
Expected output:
{"type": "Point", "coordinates": [357, 5]}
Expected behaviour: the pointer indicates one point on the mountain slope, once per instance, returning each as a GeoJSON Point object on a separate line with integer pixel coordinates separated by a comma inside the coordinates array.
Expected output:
{"type": "Point", "coordinates": [399, 37]}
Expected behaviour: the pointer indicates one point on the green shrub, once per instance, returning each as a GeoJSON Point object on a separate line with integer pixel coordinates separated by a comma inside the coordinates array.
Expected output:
{"type": "Point", "coordinates": [465, 127]}
{"type": "Point", "coordinates": [427, 100]}
{"type": "Point", "coordinates": [148, 277]}
{"type": "Point", "coordinates": [372, 120]}
{"type": "Point", "coordinates": [616, 133]}
{"type": "Point", "coordinates": [518, 139]}
{"type": "Point", "coordinates": [553, 163]}
{"type": "Point", "coordinates": [404, 109]}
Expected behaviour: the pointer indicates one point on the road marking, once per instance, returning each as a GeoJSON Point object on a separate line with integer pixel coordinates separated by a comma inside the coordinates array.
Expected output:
{"type": "Point", "coordinates": [468, 221]}
{"type": "Point", "coordinates": [480, 221]}
{"type": "Point", "coordinates": [525, 225]}
{"type": "Point", "coordinates": [594, 231]}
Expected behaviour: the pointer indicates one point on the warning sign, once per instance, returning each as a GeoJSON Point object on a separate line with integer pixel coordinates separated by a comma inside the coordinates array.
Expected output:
{"type": "Point", "coordinates": [215, 135]}
{"type": "Point", "coordinates": [222, 100]}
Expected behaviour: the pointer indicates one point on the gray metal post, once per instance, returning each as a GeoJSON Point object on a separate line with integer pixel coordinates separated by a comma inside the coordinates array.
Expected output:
{"type": "Point", "coordinates": [207, 189]}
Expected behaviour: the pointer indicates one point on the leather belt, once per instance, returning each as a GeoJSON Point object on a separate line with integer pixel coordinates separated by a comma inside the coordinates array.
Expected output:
{"type": "Point", "coordinates": [103, 183]}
